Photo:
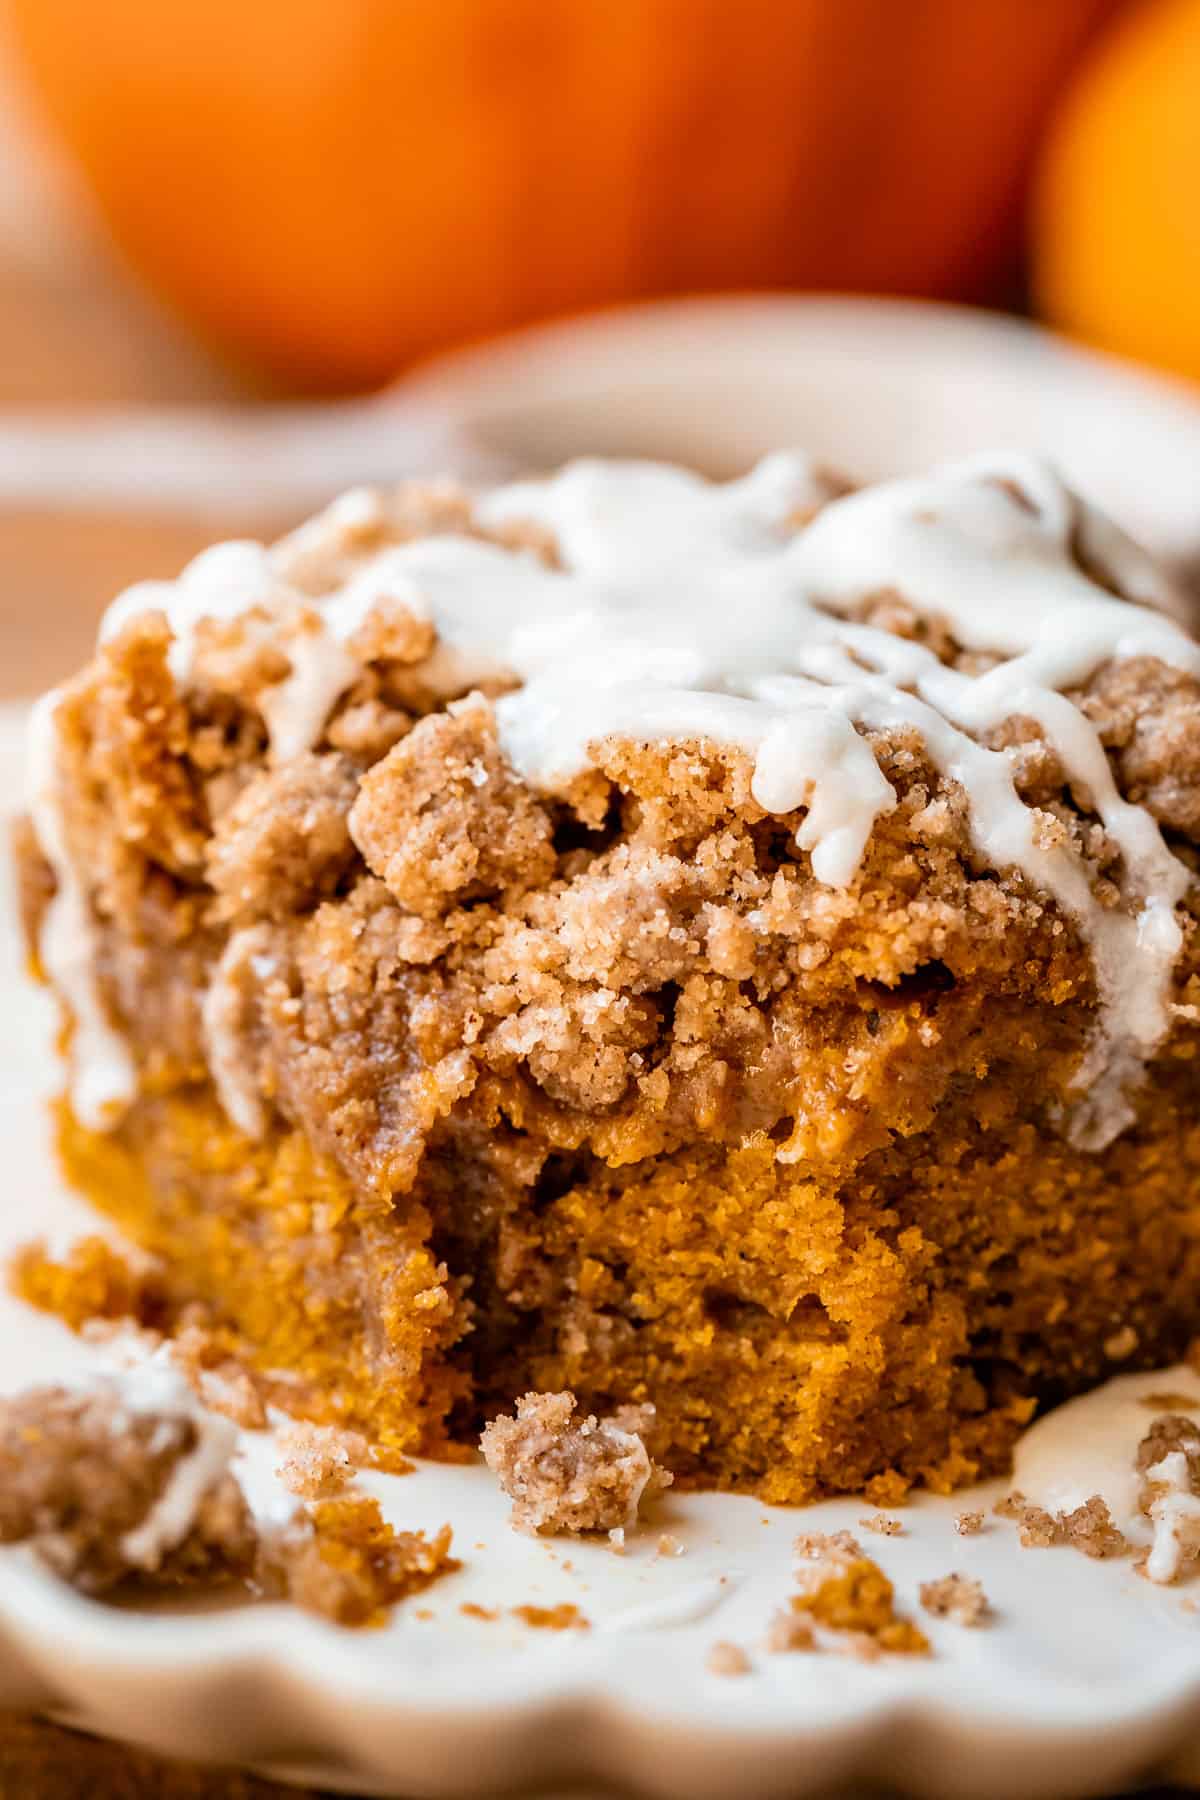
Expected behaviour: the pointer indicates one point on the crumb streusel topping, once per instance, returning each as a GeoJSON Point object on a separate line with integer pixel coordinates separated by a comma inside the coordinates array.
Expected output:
{"type": "Point", "coordinates": [664, 607]}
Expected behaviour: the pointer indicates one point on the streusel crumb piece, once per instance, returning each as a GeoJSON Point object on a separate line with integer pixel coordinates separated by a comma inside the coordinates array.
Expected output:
{"type": "Point", "coordinates": [567, 1472]}
{"type": "Point", "coordinates": [128, 1477]}
{"type": "Point", "coordinates": [820, 1546]}
{"type": "Point", "coordinates": [320, 1461]}
{"type": "Point", "coordinates": [956, 1597]}
{"type": "Point", "coordinates": [1089, 1527]}
{"type": "Point", "coordinates": [882, 1524]}
{"type": "Point", "coordinates": [969, 1524]}
{"type": "Point", "coordinates": [105, 1485]}
{"type": "Point", "coordinates": [728, 1659]}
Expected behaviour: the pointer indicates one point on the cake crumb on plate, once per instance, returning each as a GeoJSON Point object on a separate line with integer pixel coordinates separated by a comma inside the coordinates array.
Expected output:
{"type": "Point", "coordinates": [1089, 1527]}
{"type": "Point", "coordinates": [882, 1524]}
{"type": "Point", "coordinates": [564, 1617]}
{"type": "Point", "coordinates": [320, 1461]}
{"type": "Point", "coordinates": [847, 1592]}
{"type": "Point", "coordinates": [790, 1630]}
{"type": "Point", "coordinates": [818, 1546]}
{"type": "Point", "coordinates": [728, 1659]}
{"type": "Point", "coordinates": [956, 1597]}
{"type": "Point", "coordinates": [569, 1472]}
{"type": "Point", "coordinates": [340, 1558]}
{"type": "Point", "coordinates": [123, 1477]}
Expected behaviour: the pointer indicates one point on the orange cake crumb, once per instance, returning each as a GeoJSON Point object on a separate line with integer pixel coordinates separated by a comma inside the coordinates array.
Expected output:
{"type": "Point", "coordinates": [848, 1592]}
{"type": "Point", "coordinates": [127, 1477]}
{"type": "Point", "coordinates": [565, 1617]}
{"type": "Point", "coordinates": [93, 1282]}
{"type": "Point", "coordinates": [343, 1560]}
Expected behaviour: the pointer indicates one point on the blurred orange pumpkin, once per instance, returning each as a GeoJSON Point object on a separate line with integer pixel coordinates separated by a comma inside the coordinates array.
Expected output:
{"type": "Point", "coordinates": [1116, 228]}
{"type": "Point", "coordinates": [332, 187]}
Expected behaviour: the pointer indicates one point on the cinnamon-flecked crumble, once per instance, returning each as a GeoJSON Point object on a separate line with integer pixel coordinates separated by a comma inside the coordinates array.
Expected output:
{"type": "Point", "coordinates": [111, 1483]}
{"type": "Point", "coordinates": [1088, 1527]}
{"type": "Point", "coordinates": [450, 1088]}
{"type": "Point", "coordinates": [320, 1462]}
{"type": "Point", "coordinates": [882, 1524]}
{"type": "Point", "coordinates": [957, 1597]}
{"type": "Point", "coordinates": [568, 1471]}
{"type": "Point", "coordinates": [83, 1476]}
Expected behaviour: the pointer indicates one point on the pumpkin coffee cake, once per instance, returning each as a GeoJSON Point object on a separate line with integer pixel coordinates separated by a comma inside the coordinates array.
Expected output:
{"type": "Point", "coordinates": [726, 947]}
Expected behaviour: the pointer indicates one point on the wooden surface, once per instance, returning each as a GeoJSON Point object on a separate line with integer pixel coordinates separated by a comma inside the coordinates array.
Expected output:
{"type": "Point", "coordinates": [44, 1762]}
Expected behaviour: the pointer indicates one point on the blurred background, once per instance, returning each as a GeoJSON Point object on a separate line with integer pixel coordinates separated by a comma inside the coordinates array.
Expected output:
{"type": "Point", "coordinates": [232, 237]}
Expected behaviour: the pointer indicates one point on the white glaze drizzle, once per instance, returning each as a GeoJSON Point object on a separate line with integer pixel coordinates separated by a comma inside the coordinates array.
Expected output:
{"type": "Point", "coordinates": [222, 1020]}
{"type": "Point", "coordinates": [689, 609]}
{"type": "Point", "coordinates": [223, 582]}
{"type": "Point", "coordinates": [102, 1073]}
{"type": "Point", "coordinates": [1175, 1515]}
{"type": "Point", "coordinates": [687, 1605]}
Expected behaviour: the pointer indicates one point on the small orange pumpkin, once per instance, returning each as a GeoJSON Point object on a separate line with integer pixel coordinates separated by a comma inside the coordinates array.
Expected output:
{"type": "Point", "coordinates": [333, 187]}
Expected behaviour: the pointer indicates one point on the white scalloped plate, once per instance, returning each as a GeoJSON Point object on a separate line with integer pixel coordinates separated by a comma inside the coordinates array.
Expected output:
{"type": "Point", "coordinates": [1088, 1679]}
